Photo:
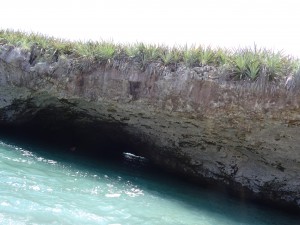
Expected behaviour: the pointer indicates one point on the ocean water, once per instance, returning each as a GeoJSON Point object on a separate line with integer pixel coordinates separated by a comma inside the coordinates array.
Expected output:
{"type": "Point", "coordinates": [42, 186]}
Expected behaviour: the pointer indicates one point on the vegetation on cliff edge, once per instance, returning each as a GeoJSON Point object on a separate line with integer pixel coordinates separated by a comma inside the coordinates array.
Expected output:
{"type": "Point", "coordinates": [240, 64]}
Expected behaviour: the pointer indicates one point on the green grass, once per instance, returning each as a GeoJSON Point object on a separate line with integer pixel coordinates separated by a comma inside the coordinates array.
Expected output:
{"type": "Point", "coordinates": [241, 64]}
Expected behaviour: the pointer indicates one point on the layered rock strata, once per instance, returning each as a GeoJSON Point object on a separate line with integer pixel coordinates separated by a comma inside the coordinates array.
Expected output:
{"type": "Point", "coordinates": [243, 136]}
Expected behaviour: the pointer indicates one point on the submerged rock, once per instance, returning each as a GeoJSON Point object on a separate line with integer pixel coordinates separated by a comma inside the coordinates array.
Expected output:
{"type": "Point", "coordinates": [240, 136]}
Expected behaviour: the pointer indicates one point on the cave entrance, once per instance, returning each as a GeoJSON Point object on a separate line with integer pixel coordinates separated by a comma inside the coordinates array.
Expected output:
{"type": "Point", "coordinates": [69, 130]}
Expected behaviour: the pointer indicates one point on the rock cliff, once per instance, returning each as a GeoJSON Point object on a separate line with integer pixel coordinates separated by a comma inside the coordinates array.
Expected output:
{"type": "Point", "coordinates": [237, 135]}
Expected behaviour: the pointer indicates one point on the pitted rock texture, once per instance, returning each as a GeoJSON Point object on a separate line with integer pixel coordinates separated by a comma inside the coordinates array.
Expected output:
{"type": "Point", "coordinates": [234, 134]}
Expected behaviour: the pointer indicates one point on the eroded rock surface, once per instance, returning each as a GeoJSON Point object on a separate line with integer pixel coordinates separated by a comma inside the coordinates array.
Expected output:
{"type": "Point", "coordinates": [237, 135]}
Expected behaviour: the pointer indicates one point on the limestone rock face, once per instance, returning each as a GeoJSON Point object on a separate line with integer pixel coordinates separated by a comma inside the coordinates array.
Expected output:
{"type": "Point", "coordinates": [239, 135]}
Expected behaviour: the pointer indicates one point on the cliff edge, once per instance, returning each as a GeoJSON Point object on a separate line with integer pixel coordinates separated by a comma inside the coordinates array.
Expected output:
{"type": "Point", "coordinates": [240, 135]}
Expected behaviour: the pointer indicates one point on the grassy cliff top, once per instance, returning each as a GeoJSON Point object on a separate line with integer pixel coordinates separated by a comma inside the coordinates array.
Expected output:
{"type": "Point", "coordinates": [242, 63]}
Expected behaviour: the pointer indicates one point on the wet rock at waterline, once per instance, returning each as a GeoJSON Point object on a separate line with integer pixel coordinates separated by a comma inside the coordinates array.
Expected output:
{"type": "Point", "coordinates": [240, 136]}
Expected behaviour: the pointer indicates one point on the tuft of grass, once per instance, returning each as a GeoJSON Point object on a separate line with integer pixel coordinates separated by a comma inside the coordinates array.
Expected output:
{"type": "Point", "coordinates": [150, 53]}
{"type": "Point", "coordinates": [249, 64]}
{"type": "Point", "coordinates": [222, 56]}
{"type": "Point", "coordinates": [142, 52]}
{"type": "Point", "coordinates": [166, 57]}
{"type": "Point", "coordinates": [246, 64]}
{"type": "Point", "coordinates": [104, 50]}
{"type": "Point", "coordinates": [253, 69]}
{"type": "Point", "coordinates": [132, 50]}
{"type": "Point", "coordinates": [242, 63]}
{"type": "Point", "coordinates": [190, 56]}
{"type": "Point", "coordinates": [207, 56]}
{"type": "Point", "coordinates": [276, 64]}
{"type": "Point", "coordinates": [170, 55]}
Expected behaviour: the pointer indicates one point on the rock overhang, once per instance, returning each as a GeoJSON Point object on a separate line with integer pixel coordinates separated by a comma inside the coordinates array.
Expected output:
{"type": "Point", "coordinates": [239, 134]}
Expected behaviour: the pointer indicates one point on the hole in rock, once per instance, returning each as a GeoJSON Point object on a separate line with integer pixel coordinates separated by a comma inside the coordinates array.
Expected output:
{"type": "Point", "coordinates": [70, 134]}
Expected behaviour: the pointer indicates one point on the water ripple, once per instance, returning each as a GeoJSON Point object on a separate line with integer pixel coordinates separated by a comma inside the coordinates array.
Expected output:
{"type": "Point", "coordinates": [47, 189]}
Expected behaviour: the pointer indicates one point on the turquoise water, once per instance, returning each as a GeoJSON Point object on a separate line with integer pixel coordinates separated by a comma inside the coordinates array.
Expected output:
{"type": "Point", "coordinates": [38, 187]}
